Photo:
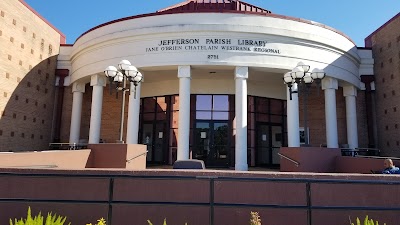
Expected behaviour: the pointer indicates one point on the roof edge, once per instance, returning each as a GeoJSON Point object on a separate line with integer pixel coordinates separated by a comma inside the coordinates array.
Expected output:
{"type": "Point", "coordinates": [225, 11]}
{"type": "Point", "coordinates": [368, 41]}
{"type": "Point", "coordinates": [62, 36]}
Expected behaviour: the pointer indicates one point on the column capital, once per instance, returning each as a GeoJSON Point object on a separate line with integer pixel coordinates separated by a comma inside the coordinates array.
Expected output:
{"type": "Point", "coordinates": [242, 72]}
{"type": "Point", "coordinates": [362, 86]}
{"type": "Point", "coordinates": [349, 91]}
{"type": "Point", "coordinates": [98, 80]}
{"type": "Point", "coordinates": [329, 83]}
{"type": "Point", "coordinates": [184, 71]}
{"type": "Point", "coordinates": [78, 87]}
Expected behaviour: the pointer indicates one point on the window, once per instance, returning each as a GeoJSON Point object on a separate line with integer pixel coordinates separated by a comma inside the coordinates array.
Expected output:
{"type": "Point", "coordinates": [212, 107]}
{"type": "Point", "coordinates": [390, 60]}
{"type": "Point", "coordinates": [50, 49]}
{"type": "Point", "coordinates": [385, 111]}
{"type": "Point", "coordinates": [39, 71]}
{"type": "Point", "coordinates": [381, 64]}
{"type": "Point", "coordinates": [380, 49]}
{"type": "Point", "coordinates": [2, 14]}
{"type": "Point", "coordinates": [1, 32]}
{"type": "Point", "coordinates": [393, 93]}
{"type": "Point", "coordinates": [32, 136]}
{"type": "Point", "coordinates": [32, 51]}
{"type": "Point", "coordinates": [389, 44]}
{"type": "Point", "coordinates": [23, 135]}
{"type": "Point", "coordinates": [12, 134]}
{"type": "Point", "coordinates": [42, 121]}
{"type": "Point", "coordinates": [16, 97]}
{"type": "Point", "coordinates": [45, 90]}
{"type": "Point", "coordinates": [392, 76]}
{"type": "Point", "coordinates": [33, 35]}
{"type": "Point", "coordinates": [14, 116]}
{"type": "Point", "coordinates": [396, 126]}
{"type": "Point", "coordinates": [41, 137]}
{"type": "Point", "coordinates": [18, 79]}
{"type": "Point", "coordinates": [387, 127]}
{"type": "Point", "coordinates": [24, 117]}
{"type": "Point", "coordinates": [9, 57]}
{"type": "Point", "coordinates": [22, 45]}
{"type": "Point", "coordinates": [14, 22]}
{"type": "Point", "coordinates": [7, 75]}
{"type": "Point", "coordinates": [5, 94]}
{"type": "Point", "coordinates": [1, 132]}
{"type": "Point", "coordinates": [383, 80]}
{"type": "Point", "coordinates": [28, 84]}
{"type": "Point", "coordinates": [384, 95]}
{"type": "Point", "coordinates": [11, 39]}
{"type": "Point", "coordinates": [37, 88]}
{"type": "Point", "coordinates": [34, 120]}
{"type": "Point", "coordinates": [20, 62]}
{"type": "Point", "coordinates": [24, 29]}
{"type": "Point", "coordinates": [44, 106]}
{"type": "Point", "coordinates": [26, 100]}
{"type": "Point", "coordinates": [42, 45]}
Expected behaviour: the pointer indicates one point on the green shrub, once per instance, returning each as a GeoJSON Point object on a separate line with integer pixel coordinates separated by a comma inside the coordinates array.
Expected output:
{"type": "Point", "coordinates": [38, 220]}
{"type": "Point", "coordinates": [165, 222]}
{"type": "Point", "coordinates": [255, 218]}
{"type": "Point", "coordinates": [366, 221]}
{"type": "Point", "coordinates": [101, 221]}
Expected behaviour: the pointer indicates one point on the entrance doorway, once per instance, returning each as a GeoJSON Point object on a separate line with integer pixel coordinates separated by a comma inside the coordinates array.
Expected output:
{"type": "Point", "coordinates": [153, 136]}
{"type": "Point", "coordinates": [269, 141]}
{"type": "Point", "coordinates": [212, 143]}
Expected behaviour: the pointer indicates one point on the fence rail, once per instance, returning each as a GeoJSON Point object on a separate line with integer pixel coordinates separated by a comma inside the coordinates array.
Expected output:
{"type": "Point", "coordinates": [211, 184]}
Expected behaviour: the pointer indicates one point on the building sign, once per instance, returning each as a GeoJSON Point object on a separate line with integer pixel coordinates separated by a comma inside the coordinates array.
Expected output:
{"type": "Point", "coordinates": [214, 46]}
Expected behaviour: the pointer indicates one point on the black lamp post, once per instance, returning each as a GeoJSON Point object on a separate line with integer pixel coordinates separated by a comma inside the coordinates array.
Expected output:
{"type": "Point", "coordinates": [119, 77]}
{"type": "Point", "coordinates": [303, 78]}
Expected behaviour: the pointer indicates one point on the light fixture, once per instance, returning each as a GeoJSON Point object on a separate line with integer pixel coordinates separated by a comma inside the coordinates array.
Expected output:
{"type": "Point", "coordinates": [119, 78]}
{"type": "Point", "coordinates": [301, 76]}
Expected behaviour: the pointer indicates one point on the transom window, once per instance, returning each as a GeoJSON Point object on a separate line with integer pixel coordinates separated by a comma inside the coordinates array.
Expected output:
{"type": "Point", "coordinates": [212, 107]}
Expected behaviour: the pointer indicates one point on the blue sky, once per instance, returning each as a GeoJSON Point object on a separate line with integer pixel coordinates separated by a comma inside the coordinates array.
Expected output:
{"type": "Point", "coordinates": [356, 18]}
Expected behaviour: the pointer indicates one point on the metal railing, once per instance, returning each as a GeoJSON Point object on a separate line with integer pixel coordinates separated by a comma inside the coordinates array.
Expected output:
{"type": "Point", "coordinates": [143, 153]}
{"type": "Point", "coordinates": [67, 146]}
{"type": "Point", "coordinates": [289, 159]}
{"type": "Point", "coordinates": [360, 152]}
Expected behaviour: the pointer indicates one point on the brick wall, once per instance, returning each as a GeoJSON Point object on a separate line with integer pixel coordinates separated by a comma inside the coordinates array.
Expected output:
{"type": "Point", "coordinates": [27, 75]}
{"type": "Point", "coordinates": [386, 53]}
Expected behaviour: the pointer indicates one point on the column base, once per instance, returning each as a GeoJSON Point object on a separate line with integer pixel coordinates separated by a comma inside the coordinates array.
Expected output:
{"type": "Point", "coordinates": [241, 167]}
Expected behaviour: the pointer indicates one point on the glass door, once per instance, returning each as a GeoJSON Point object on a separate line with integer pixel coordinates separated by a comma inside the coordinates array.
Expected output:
{"type": "Point", "coordinates": [153, 136]}
{"type": "Point", "coordinates": [263, 145]}
{"type": "Point", "coordinates": [269, 141]}
{"type": "Point", "coordinates": [211, 143]}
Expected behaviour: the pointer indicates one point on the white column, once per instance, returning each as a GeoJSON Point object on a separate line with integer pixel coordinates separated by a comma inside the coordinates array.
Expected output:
{"type": "Point", "coordinates": [77, 89]}
{"type": "Point", "coordinates": [132, 131]}
{"type": "Point", "coordinates": [330, 85]}
{"type": "Point", "coordinates": [241, 75]}
{"type": "Point", "coordinates": [184, 112]}
{"type": "Point", "coordinates": [98, 82]}
{"type": "Point", "coordinates": [350, 94]}
{"type": "Point", "coordinates": [293, 117]}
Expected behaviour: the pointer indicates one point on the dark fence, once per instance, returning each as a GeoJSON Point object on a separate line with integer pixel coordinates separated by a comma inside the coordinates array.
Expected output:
{"type": "Point", "coordinates": [198, 198]}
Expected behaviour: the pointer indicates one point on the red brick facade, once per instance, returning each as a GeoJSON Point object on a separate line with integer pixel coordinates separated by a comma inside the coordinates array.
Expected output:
{"type": "Point", "coordinates": [385, 43]}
